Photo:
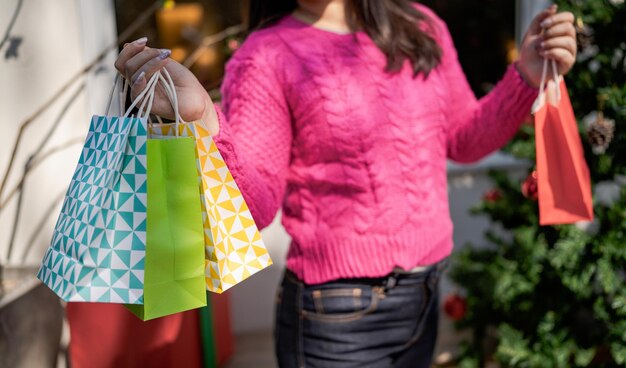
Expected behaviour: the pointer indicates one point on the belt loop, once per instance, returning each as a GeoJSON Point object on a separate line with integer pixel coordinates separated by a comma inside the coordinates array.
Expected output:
{"type": "Point", "coordinates": [435, 273]}
{"type": "Point", "coordinates": [443, 264]}
{"type": "Point", "coordinates": [391, 282]}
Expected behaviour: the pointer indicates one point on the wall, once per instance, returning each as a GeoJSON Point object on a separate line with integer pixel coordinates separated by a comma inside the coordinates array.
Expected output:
{"type": "Point", "coordinates": [49, 43]}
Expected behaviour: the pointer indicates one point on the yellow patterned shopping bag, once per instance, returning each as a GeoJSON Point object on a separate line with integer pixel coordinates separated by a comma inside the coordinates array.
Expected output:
{"type": "Point", "coordinates": [234, 249]}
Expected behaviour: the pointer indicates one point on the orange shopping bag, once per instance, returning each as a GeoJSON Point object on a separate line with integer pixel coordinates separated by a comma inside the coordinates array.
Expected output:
{"type": "Point", "coordinates": [562, 172]}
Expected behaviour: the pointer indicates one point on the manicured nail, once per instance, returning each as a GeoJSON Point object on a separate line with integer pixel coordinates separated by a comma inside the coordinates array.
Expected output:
{"type": "Point", "coordinates": [546, 22]}
{"type": "Point", "coordinates": [141, 41]}
{"type": "Point", "coordinates": [164, 54]}
{"type": "Point", "coordinates": [141, 75]}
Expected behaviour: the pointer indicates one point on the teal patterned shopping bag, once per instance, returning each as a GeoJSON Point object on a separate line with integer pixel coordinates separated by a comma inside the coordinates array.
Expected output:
{"type": "Point", "coordinates": [99, 242]}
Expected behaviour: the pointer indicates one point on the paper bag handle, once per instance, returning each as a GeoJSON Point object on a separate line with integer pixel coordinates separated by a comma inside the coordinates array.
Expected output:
{"type": "Point", "coordinates": [145, 99]}
{"type": "Point", "coordinates": [544, 74]}
{"type": "Point", "coordinates": [122, 97]}
{"type": "Point", "coordinates": [170, 90]}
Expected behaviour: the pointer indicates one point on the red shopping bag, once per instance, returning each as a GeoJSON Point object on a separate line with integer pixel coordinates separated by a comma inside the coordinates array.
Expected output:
{"type": "Point", "coordinates": [104, 335]}
{"type": "Point", "coordinates": [563, 179]}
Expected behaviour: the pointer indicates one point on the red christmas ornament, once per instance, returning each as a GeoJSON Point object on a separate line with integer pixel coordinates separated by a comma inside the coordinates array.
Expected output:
{"type": "Point", "coordinates": [492, 195]}
{"type": "Point", "coordinates": [455, 307]}
{"type": "Point", "coordinates": [529, 186]}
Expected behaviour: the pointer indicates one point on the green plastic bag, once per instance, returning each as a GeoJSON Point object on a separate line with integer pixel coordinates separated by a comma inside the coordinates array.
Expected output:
{"type": "Point", "coordinates": [174, 263]}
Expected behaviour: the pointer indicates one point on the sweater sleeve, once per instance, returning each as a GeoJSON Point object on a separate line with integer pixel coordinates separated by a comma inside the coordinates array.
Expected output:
{"type": "Point", "coordinates": [474, 127]}
{"type": "Point", "coordinates": [255, 131]}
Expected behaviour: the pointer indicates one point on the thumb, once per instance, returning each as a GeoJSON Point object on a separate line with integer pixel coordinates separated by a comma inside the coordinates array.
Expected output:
{"type": "Point", "coordinates": [535, 26]}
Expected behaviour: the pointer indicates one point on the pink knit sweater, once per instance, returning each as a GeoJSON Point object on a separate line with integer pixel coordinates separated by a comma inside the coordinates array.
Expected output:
{"type": "Point", "coordinates": [355, 156]}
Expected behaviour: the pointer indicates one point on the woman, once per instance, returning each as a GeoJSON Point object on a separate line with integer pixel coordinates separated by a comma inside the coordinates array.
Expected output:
{"type": "Point", "coordinates": [344, 112]}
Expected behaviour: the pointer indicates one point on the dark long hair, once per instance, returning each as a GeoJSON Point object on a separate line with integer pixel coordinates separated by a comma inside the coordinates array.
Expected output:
{"type": "Point", "coordinates": [399, 29]}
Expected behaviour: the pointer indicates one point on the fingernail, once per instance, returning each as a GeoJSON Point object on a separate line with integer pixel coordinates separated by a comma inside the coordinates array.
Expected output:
{"type": "Point", "coordinates": [141, 41]}
{"type": "Point", "coordinates": [546, 22]}
{"type": "Point", "coordinates": [164, 54]}
{"type": "Point", "coordinates": [141, 75]}
{"type": "Point", "coordinates": [542, 45]}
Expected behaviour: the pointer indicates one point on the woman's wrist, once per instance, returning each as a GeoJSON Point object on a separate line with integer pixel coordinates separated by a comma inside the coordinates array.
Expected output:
{"type": "Point", "coordinates": [525, 76]}
{"type": "Point", "coordinates": [209, 117]}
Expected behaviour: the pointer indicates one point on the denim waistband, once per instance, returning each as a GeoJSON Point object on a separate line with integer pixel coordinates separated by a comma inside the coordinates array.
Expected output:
{"type": "Point", "coordinates": [390, 280]}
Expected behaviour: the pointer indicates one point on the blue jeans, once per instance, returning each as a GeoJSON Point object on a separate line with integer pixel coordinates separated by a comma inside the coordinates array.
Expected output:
{"type": "Point", "coordinates": [372, 322]}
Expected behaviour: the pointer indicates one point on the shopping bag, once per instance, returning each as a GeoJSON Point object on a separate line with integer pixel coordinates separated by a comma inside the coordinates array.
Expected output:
{"type": "Point", "coordinates": [234, 249]}
{"type": "Point", "coordinates": [564, 185]}
{"type": "Point", "coordinates": [105, 335]}
{"type": "Point", "coordinates": [131, 226]}
{"type": "Point", "coordinates": [174, 263]}
{"type": "Point", "coordinates": [99, 241]}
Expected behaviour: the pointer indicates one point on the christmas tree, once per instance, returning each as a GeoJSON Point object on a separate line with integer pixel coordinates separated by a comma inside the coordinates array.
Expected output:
{"type": "Point", "coordinates": [555, 296]}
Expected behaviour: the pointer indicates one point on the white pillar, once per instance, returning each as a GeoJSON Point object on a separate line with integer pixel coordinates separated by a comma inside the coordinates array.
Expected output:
{"type": "Point", "coordinates": [526, 11]}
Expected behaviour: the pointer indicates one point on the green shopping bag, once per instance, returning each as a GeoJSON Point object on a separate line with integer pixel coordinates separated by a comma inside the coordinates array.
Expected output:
{"type": "Point", "coordinates": [174, 262]}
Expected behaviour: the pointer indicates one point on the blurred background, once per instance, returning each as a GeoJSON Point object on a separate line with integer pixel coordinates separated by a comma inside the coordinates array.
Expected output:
{"type": "Point", "coordinates": [56, 70]}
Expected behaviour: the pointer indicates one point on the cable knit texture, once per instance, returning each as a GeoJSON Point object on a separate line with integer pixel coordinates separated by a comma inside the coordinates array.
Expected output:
{"type": "Point", "coordinates": [355, 156]}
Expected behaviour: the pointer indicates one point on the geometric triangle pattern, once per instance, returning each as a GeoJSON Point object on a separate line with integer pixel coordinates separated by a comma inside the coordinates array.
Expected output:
{"type": "Point", "coordinates": [99, 242]}
{"type": "Point", "coordinates": [234, 249]}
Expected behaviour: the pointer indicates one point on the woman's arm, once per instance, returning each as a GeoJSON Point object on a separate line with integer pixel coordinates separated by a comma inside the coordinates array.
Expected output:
{"type": "Point", "coordinates": [254, 132]}
{"type": "Point", "coordinates": [476, 128]}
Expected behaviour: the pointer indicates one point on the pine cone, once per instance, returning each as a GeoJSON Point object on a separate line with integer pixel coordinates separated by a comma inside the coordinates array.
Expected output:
{"type": "Point", "coordinates": [600, 133]}
{"type": "Point", "coordinates": [584, 36]}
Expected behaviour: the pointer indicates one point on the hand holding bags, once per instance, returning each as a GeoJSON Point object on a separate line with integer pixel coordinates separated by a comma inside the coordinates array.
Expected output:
{"type": "Point", "coordinates": [562, 173]}
{"type": "Point", "coordinates": [130, 230]}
